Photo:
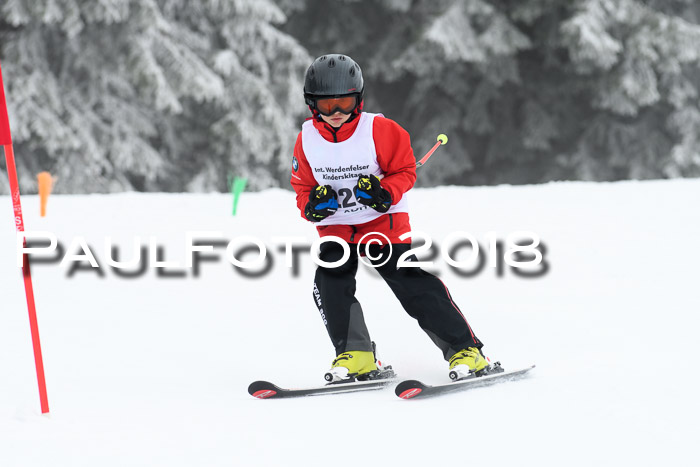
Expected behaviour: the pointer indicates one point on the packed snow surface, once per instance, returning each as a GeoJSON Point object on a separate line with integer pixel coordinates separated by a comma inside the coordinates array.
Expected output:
{"type": "Point", "coordinates": [153, 371]}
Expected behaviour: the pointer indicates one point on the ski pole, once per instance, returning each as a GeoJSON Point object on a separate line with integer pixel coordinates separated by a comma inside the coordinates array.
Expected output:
{"type": "Point", "coordinates": [441, 140]}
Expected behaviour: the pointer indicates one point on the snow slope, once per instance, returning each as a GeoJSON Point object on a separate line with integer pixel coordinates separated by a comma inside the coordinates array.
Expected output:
{"type": "Point", "coordinates": [153, 371]}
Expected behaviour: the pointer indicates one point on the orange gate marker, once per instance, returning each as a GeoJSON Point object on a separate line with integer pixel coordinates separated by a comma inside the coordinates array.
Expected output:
{"type": "Point", "coordinates": [6, 142]}
{"type": "Point", "coordinates": [45, 183]}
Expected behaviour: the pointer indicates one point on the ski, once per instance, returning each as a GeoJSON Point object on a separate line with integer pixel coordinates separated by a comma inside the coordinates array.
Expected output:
{"type": "Point", "coordinates": [411, 389]}
{"type": "Point", "coordinates": [267, 390]}
{"type": "Point", "coordinates": [378, 379]}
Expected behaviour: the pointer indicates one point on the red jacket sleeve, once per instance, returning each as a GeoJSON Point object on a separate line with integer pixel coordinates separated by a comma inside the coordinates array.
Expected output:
{"type": "Point", "coordinates": [395, 157]}
{"type": "Point", "coordinates": [302, 180]}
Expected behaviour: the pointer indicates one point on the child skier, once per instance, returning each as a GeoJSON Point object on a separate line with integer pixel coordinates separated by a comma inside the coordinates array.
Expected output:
{"type": "Point", "coordinates": [350, 171]}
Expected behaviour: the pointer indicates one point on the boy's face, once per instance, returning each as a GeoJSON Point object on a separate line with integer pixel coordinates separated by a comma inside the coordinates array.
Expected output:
{"type": "Point", "coordinates": [336, 119]}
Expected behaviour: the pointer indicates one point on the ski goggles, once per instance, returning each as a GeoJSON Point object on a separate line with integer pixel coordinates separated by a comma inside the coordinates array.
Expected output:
{"type": "Point", "coordinates": [329, 105]}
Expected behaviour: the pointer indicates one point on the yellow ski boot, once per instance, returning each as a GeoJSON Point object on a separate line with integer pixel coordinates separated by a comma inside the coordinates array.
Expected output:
{"type": "Point", "coordinates": [468, 362]}
{"type": "Point", "coordinates": [351, 365]}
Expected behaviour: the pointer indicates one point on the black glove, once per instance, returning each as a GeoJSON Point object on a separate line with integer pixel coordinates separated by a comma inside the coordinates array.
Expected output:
{"type": "Point", "coordinates": [369, 192]}
{"type": "Point", "coordinates": [323, 202]}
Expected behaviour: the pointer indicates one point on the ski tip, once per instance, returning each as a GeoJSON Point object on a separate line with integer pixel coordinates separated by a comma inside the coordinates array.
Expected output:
{"type": "Point", "coordinates": [262, 389]}
{"type": "Point", "coordinates": [409, 389]}
{"type": "Point", "coordinates": [264, 394]}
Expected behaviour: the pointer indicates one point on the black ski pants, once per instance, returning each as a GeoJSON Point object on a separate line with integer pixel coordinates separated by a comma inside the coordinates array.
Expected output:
{"type": "Point", "coordinates": [423, 296]}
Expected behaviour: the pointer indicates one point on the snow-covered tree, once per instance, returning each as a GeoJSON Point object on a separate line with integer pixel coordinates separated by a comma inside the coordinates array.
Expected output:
{"type": "Point", "coordinates": [175, 95]}
{"type": "Point", "coordinates": [111, 95]}
{"type": "Point", "coordinates": [637, 60]}
{"type": "Point", "coordinates": [527, 90]}
{"type": "Point", "coordinates": [251, 131]}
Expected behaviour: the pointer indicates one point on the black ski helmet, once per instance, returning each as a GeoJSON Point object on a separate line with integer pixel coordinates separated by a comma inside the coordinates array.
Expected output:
{"type": "Point", "coordinates": [333, 75]}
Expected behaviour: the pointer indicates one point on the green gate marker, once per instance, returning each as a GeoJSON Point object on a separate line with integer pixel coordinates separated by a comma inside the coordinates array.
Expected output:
{"type": "Point", "coordinates": [237, 188]}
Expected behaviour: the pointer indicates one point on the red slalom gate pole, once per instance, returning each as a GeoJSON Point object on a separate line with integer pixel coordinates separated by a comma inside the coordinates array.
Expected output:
{"type": "Point", "coordinates": [6, 142]}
